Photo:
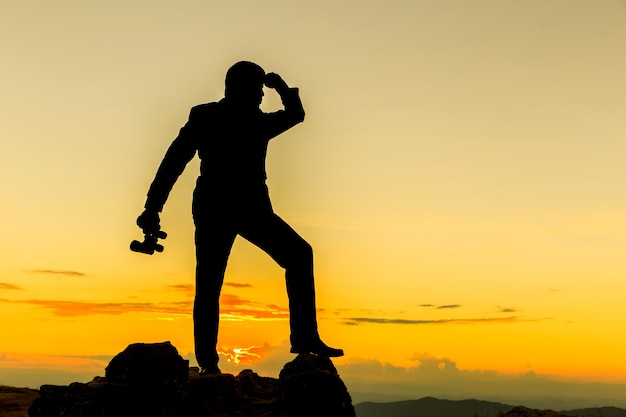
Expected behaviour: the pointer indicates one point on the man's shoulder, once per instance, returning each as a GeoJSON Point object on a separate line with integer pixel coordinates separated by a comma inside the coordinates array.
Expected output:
{"type": "Point", "coordinates": [203, 109]}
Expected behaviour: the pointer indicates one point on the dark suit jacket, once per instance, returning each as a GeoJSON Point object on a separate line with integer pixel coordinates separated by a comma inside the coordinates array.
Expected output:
{"type": "Point", "coordinates": [231, 143]}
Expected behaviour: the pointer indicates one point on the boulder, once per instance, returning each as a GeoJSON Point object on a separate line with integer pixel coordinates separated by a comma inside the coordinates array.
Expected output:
{"type": "Point", "coordinates": [310, 387]}
{"type": "Point", "coordinates": [148, 362]}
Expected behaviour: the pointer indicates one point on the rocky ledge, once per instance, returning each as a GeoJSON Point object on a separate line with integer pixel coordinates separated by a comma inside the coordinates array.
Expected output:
{"type": "Point", "coordinates": [154, 380]}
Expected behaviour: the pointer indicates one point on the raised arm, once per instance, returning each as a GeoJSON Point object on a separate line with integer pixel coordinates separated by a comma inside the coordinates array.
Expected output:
{"type": "Point", "coordinates": [293, 112]}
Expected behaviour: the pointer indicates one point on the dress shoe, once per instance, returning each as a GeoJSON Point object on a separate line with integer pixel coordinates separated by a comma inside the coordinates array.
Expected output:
{"type": "Point", "coordinates": [318, 348]}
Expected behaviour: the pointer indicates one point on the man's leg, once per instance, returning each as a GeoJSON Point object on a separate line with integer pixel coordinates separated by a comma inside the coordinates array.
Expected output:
{"type": "Point", "coordinates": [293, 253]}
{"type": "Point", "coordinates": [213, 245]}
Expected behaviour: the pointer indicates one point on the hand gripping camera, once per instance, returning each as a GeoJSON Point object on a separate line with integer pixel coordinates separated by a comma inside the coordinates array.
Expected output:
{"type": "Point", "coordinates": [150, 243]}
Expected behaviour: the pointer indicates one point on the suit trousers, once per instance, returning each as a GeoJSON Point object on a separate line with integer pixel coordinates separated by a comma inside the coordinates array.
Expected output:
{"type": "Point", "coordinates": [221, 212]}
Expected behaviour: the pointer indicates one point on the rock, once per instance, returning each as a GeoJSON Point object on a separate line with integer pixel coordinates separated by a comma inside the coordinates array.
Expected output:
{"type": "Point", "coordinates": [310, 387]}
{"type": "Point", "coordinates": [150, 380]}
{"type": "Point", "coordinates": [142, 362]}
{"type": "Point", "coordinates": [521, 411]}
{"type": "Point", "coordinates": [246, 394]}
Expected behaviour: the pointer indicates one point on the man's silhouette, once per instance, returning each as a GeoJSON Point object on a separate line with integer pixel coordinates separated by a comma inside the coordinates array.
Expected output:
{"type": "Point", "coordinates": [231, 198]}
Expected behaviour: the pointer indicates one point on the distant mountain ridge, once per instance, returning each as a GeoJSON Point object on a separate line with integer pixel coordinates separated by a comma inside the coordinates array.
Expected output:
{"type": "Point", "coordinates": [433, 407]}
{"type": "Point", "coordinates": [596, 412]}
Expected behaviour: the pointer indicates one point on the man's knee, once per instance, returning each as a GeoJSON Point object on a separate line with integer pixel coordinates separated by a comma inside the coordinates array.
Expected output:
{"type": "Point", "coordinates": [305, 250]}
{"type": "Point", "coordinates": [298, 255]}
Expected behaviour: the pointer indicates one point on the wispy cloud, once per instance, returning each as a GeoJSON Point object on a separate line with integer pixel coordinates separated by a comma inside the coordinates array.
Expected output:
{"type": "Point", "coordinates": [58, 272]}
{"type": "Point", "coordinates": [446, 306]}
{"type": "Point", "coordinates": [506, 309]}
{"type": "Point", "coordinates": [440, 307]}
{"type": "Point", "coordinates": [237, 308]}
{"type": "Point", "coordinates": [181, 287]}
{"type": "Point", "coordinates": [372, 320]}
{"type": "Point", "coordinates": [239, 355]}
{"type": "Point", "coordinates": [237, 285]}
{"type": "Point", "coordinates": [63, 308]}
{"type": "Point", "coordinates": [7, 286]}
{"type": "Point", "coordinates": [232, 307]}
{"type": "Point", "coordinates": [188, 289]}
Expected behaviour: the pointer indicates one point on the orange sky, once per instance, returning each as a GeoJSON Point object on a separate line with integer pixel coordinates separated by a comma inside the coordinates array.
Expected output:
{"type": "Point", "coordinates": [459, 176]}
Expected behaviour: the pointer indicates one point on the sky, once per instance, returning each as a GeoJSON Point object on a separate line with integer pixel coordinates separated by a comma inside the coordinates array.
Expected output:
{"type": "Point", "coordinates": [459, 175]}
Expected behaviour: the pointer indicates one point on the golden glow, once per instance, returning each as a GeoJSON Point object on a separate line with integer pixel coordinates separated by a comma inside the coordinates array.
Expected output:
{"type": "Point", "coordinates": [241, 355]}
{"type": "Point", "coordinates": [459, 175]}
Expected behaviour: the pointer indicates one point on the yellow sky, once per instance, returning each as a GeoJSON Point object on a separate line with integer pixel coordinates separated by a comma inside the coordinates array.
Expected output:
{"type": "Point", "coordinates": [459, 174]}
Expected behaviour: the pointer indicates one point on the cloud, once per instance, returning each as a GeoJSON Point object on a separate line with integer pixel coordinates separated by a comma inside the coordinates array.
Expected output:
{"type": "Point", "coordinates": [431, 375]}
{"type": "Point", "coordinates": [371, 320]}
{"type": "Point", "coordinates": [188, 289]}
{"type": "Point", "coordinates": [426, 362]}
{"type": "Point", "coordinates": [265, 359]}
{"type": "Point", "coordinates": [237, 308]}
{"type": "Point", "coordinates": [426, 370]}
{"type": "Point", "coordinates": [448, 306]}
{"type": "Point", "coordinates": [425, 365]}
{"type": "Point", "coordinates": [440, 307]}
{"type": "Point", "coordinates": [105, 358]}
{"type": "Point", "coordinates": [58, 272]}
{"type": "Point", "coordinates": [241, 355]}
{"type": "Point", "coordinates": [181, 287]}
{"type": "Point", "coordinates": [7, 286]}
{"type": "Point", "coordinates": [506, 309]}
{"type": "Point", "coordinates": [232, 307]}
{"type": "Point", "coordinates": [63, 308]}
{"type": "Point", "coordinates": [237, 285]}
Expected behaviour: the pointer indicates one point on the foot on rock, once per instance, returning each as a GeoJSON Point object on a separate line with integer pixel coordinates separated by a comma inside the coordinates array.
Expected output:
{"type": "Point", "coordinates": [318, 348]}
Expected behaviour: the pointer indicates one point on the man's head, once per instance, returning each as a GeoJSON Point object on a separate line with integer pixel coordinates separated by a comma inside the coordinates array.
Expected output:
{"type": "Point", "coordinates": [244, 83]}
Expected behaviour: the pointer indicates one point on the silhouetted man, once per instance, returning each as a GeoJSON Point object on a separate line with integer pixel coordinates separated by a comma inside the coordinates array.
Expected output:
{"type": "Point", "coordinates": [231, 198]}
